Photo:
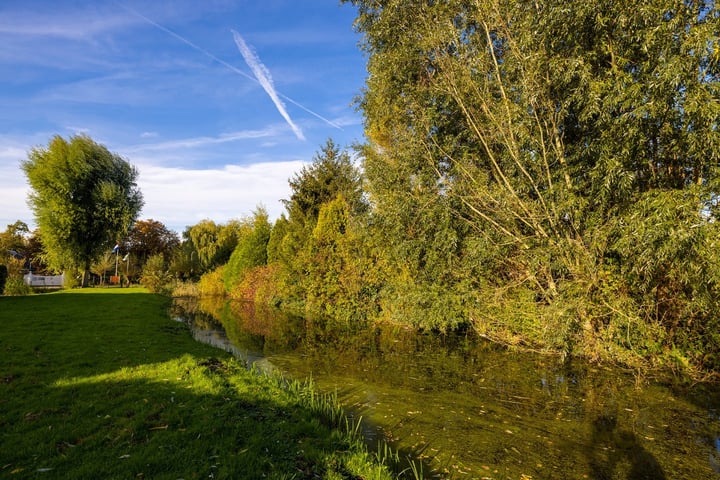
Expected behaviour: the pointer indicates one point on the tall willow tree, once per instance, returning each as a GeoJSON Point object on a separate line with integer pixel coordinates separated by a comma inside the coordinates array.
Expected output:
{"type": "Point", "coordinates": [413, 130]}
{"type": "Point", "coordinates": [211, 244]}
{"type": "Point", "coordinates": [84, 198]}
{"type": "Point", "coordinates": [567, 152]}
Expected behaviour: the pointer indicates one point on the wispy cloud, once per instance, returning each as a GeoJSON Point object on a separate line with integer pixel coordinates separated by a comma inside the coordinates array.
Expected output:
{"type": "Point", "coordinates": [78, 130]}
{"type": "Point", "coordinates": [196, 142]}
{"type": "Point", "coordinates": [348, 120]}
{"type": "Point", "coordinates": [159, 97]}
{"type": "Point", "coordinates": [262, 74]}
{"type": "Point", "coordinates": [78, 25]}
{"type": "Point", "coordinates": [229, 66]}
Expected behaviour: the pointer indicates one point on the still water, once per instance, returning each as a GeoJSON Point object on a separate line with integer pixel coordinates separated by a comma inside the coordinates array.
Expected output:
{"type": "Point", "coordinates": [472, 410]}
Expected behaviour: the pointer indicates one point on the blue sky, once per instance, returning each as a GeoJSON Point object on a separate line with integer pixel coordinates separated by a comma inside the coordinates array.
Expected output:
{"type": "Point", "coordinates": [217, 103]}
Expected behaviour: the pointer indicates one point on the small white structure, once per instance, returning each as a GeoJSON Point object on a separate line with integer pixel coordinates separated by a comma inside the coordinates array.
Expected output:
{"type": "Point", "coordinates": [44, 281]}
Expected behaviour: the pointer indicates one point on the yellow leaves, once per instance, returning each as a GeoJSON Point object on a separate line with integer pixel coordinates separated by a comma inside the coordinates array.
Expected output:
{"type": "Point", "coordinates": [332, 220]}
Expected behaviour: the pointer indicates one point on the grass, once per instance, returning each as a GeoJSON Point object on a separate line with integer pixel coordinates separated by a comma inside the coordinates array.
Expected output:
{"type": "Point", "coordinates": [100, 383]}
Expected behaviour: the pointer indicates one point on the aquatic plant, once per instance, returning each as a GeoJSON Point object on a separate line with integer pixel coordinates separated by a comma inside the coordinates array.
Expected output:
{"type": "Point", "coordinates": [327, 407]}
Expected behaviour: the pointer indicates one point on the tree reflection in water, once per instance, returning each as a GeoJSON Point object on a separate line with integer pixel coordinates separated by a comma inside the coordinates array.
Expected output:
{"type": "Point", "coordinates": [473, 410]}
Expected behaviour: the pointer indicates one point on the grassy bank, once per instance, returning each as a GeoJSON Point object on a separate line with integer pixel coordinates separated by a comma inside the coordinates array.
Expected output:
{"type": "Point", "coordinates": [99, 383]}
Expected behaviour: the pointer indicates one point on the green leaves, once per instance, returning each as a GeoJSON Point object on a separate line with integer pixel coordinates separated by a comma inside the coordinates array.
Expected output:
{"type": "Point", "coordinates": [251, 249]}
{"type": "Point", "coordinates": [212, 243]}
{"type": "Point", "coordinates": [331, 172]}
{"type": "Point", "coordinates": [84, 199]}
{"type": "Point", "coordinates": [155, 276]}
{"type": "Point", "coordinates": [568, 138]}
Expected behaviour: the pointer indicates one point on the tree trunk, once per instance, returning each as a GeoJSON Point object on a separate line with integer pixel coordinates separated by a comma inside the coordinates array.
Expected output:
{"type": "Point", "coordinates": [85, 276]}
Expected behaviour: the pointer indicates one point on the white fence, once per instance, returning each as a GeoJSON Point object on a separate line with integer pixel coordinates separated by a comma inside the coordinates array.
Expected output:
{"type": "Point", "coordinates": [47, 281]}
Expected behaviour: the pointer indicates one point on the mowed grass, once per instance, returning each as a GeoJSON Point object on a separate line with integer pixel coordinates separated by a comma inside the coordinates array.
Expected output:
{"type": "Point", "coordinates": [100, 383]}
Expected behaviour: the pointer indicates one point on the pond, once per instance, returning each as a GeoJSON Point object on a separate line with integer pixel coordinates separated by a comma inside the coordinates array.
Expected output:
{"type": "Point", "coordinates": [470, 409]}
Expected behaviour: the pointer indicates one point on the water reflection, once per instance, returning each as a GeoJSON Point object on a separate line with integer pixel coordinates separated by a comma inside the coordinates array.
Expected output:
{"type": "Point", "coordinates": [473, 410]}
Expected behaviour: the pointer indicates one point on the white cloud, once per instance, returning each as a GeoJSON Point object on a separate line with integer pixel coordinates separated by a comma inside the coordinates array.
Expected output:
{"type": "Point", "coordinates": [78, 130]}
{"type": "Point", "coordinates": [348, 121]}
{"type": "Point", "coordinates": [13, 206]}
{"type": "Point", "coordinates": [13, 187]}
{"type": "Point", "coordinates": [178, 197]}
{"type": "Point", "coordinates": [182, 197]}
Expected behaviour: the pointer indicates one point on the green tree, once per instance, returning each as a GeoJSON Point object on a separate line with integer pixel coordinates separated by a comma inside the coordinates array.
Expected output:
{"type": "Point", "coordinates": [251, 250]}
{"type": "Point", "coordinates": [14, 238]}
{"type": "Point", "coordinates": [213, 243]}
{"type": "Point", "coordinates": [14, 252]}
{"type": "Point", "coordinates": [155, 276]}
{"type": "Point", "coordinates": [184, 263]}
{"type": "Point", "coordinates": [18, 255]}
{"type": "Point", "coordinates": [84, 199]}
{"type": "Point", "coordinates": [538, 135]}
{"type": "Point", "coordinates": [343, 274]}
{"type": "Point", "coordinates": [103, 264]}
{"type": "Point", "coordinates": [35, 254]}
{"type": "Point", "coordinates": [277, 234]}
{"type": "Point", "coordinates": [331, 173]}
{"type": "Point", "coordinates": [415, 131]}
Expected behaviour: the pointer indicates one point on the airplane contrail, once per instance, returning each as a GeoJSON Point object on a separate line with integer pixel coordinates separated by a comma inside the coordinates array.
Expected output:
{"type": "Point", "coordinates": [223, 62]}
{"type": "Point", "coordinates": [263, 76]}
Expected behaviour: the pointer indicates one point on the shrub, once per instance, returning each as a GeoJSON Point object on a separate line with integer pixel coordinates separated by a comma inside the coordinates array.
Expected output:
{"type": "Point", "coordinates": [185, 289]}
{"type": "Point", "coordinates": [16, 286]}
{"type": "Point", "coordinates": [71, 279]}
{"type": "Point", "coordinates": [257, 285]}
{"type": "Point", "coordinates": [155, 277]}
{"type": "Point", "coordinates": [211, 283]}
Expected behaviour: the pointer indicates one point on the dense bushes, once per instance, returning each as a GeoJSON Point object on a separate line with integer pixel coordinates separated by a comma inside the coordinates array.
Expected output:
{"type": "Point", "coordinates": [549, 171]}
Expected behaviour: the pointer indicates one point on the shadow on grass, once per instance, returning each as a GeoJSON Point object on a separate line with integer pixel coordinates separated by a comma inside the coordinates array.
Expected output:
{"type": "Point", "coordinates": [149, 429]}
{"type": "Point", "coordinates": [106, 386]}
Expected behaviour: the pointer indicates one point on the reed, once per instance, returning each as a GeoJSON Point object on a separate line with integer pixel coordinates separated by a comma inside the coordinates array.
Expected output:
{"type": "Point", "coordinates": [327, 407]}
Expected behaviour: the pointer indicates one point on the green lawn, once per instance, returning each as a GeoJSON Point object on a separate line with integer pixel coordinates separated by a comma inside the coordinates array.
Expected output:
{"type": "Point", "coordinates": [100, 383]}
